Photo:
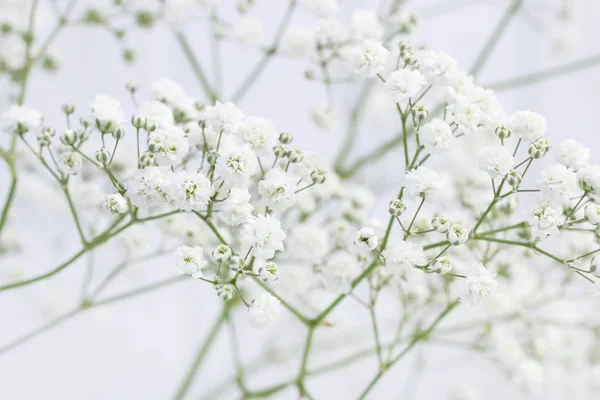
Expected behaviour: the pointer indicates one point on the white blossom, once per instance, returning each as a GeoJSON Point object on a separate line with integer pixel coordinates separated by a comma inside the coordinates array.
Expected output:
{"type": "Point", "coordinates": [588, 179]}
{"type": "Point", "coordinates": [528, 126]}
{"type": "Point", "coordinates": [169, 145]}
{"type": "Point", "coordinates": [278, 190]}
{"type": "Point", "coordinates": [264, 310]}
{"type": "Point", "coordinates": [370, 58]}
{"type": "Point", "coordinates": [107, 112]}
{"type": "Point", "coordinates": [402, 258]}
{"type": "Point", "coordinates": [557, 183]}
{"type": "Point", "coordinates": [236, 209]}
{"type": "Point", "coordinates": [224, 117]}
{"type": "Point", "coordinates": [572, 154]}
{"type": "Point", "coordinates": [366, 25]}
{"type": "Point", "coordinates": [236, 164]}
{"type": "Point", "coordinates": [148, 187]}
{"type": "Point", "coordinates": [436, 135]}
{"type": "Point", "coordinates": [70, 162]}
{"type": "Point", "coordinates": [190, 260]}
{"type": "Point", "coordinates": [366, 239]}
{"type": "Point", "coordinates": [157, 114]}
{"type": "Point", "coordinates": [190, 191]}
{"type": "Point", "coordinates": [20, 119]}
{"type": "Point", "coordinates": [339, 271]}
{"type": "Point", "coordinates": [545, 220]}
{"type": "Point", "coordinates": [115, 204]}
{"type": "Point", "coordinates": [260, 134]}
{"type": "Point", "coordinates": [264, 234]}
{"type": "Point", "coordinates": [481, 284]}
{"type": "Point", "coordinates": [436, 68]}
{"type": "Point", "coordinates": [404, 84]}
{"type": "Point", "coordinates": [592, 213]}
{"type": "Point", "coordinates": [495, 160]}
{"type": "Point", "coordinates": [422, 182]}
{"type": "Point", "coordinates": [297, 42]}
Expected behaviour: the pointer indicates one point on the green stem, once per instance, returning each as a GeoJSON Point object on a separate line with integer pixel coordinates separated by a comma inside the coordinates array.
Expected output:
{"type": "Point", "coordinates": [196, 67]}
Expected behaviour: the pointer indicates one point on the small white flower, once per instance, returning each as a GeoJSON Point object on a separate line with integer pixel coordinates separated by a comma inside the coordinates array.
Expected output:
{"type": "Point", "coordinates": [572, 154]}
{"type": "Point", "coordinates": [269, 272]}
{"type": "Point", "coordinates": [20, 119]}
{"type": "Point", "coordinates": [236, 165]}
{"type": "Point", "coordinates": [436, 135]}
{"type": "Point", "coordinates": [264, 234]}
{"type": "Point", "coordinates": [496, 161]}
{"type": "Point", "coordinates": [592, 213]}
{"type": "Point", "coordinates": [457, 235]}
{"type": "Point", "coordinates": [370, 58]}
{"type": "Point", "coordinates": [545, 220]}
{"type": "Point", "coordinates": [190, 260]}
{"type": "Point", "coordinates": [148, 187]}
{"type": "Point", "coordinates": [107, 112]}
{"type": "Point", "coordinates": [169, 144]}
{"type": "Point", "coordinates": [442, 265]}
{"type": "Point", "coordinates": [278, 190]}
{"type": "Point", "coordinates": [480, 285]}
{"type": "Point", "coordinates": [440, 224]}
{"type": "Point", "coordinates": [264, 310]}
{"type": "Point", "coordinates": [190, 190]}
{"type": "Point", "coordinates": [557, 183]}
{"type": "Point", "coordinates": [366, 239]}
{"type": "Point", "coordinates": [69, 162]}
{"type": "Point", "coordinates": [157, 114]}
{"type": "Point", "coordinates": [222, 253]}
{"type": "Point", "coordinates": [249, 30]}
{"type": "Point", "coordinates": [224, 117]}
{"type": "Point", "coordinates": [437, 68]}
{"type": "Point", "coordinates": [339, 272]}
{"type": "Point", "coordinates": [528, 126]}
{"type": "Point", "coordinates": [260, 134]}
{"type": "Point", "coordinates": [402, 258]}
{"type": "Point", "coordinates": [588, 179]}
{"type": "Point", "coordinates": [165, 90]}
{"type": "Point", "coordinates": [404, 84]}
{"type": "Point", "coordinates": [236, 209]}
{"type": "Point", "coordinates": [116, 204]}
{"type": "Point", "coordinates": [421, 182]}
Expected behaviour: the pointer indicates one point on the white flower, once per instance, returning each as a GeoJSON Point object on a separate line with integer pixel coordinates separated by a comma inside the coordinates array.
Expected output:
{"type": "Point", "coordinates": [249, 30]}
{"type": "Point", "coordinates": [572, 154]}
{"type": "Point", "coordinates": [169, 144]}
{"type": "Point", "coordinates": [264, 234]}
{"type": "Point", "coordinates": [421, 182]}
{"type": "Point", "coordinates": [442, 265]}
{"type": "Point", "coordinates": [309, 243]}
{"type": "Point", "coordinates": [190, 260]}
{"type": "Point", "coordinates": [260, 134]}
{"type": "Point", "coordinates": [157, 114]}
{"type": "Point", "coordinates": [589, 179]}
{"type": "Point", "coordinates": [457, 235]}
{"type": "Point", "coordinates": [366, 25]}
{"type": "Point", "coordinates": [437, 68]}
{"type": "Point", "coordinates": [557, 183]}
{"type": "Point", "coordinates": [236, 165]}
{"type": "Point", "coordinates": [495, 160]}
{"type": "Point", "coordinates": [148, 187]}
{"type": "Point", "coordinates": [402, 258]}
{"type": "Point", "coordinates": [366, 239]}
{"type": "Point", "coordinates": [278, 190]}
{"type": "Point", "coordinates": [466, 114]}
{"type": "Point", "coordinates": [116, 204]}
{"type": "Point", "coordinates": [20, 119]}
{"type": "Point", "coordinates": [167, 91]}
{"type": "Point", "coordinates": [107, 112]}
{"type": "Point", "coordinates": [480, 285]}
{"type": "Point", "coordinates": [224, 117]}
{"type": "Point", "coordinates": [370, 58]}
{"type": "Point", "coordinates": [69, 162]}
{"type": "Point", "coordinates": [297, 42]}
{"type": "Point", "coordinates": [236, 209]}
{"type": "Point", "coordinates": [263, 310]}
{"type": "Point", "coordinates": [545, 220]}
{"type": "Point", "coordinates": [436, 135]}
{"type": "Point", "coordinates": [592, 213]}
{"type": "Point", "coordinates": [404, 84]}
{"type": "Point", "coordinates": [339, 271]}
{"type": "Point", "coordinates": [190, 190]}
{"type": "Point", "coordinates": [527, 125]}
{"type": "Point", "coordinates": [269, 272]}
{"type": "Point", "coordinates": [321, 8]}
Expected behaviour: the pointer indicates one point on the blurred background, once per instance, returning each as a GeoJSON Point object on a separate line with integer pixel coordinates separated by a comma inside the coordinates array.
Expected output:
{"type": "Point", "coordinates": [142, 347]}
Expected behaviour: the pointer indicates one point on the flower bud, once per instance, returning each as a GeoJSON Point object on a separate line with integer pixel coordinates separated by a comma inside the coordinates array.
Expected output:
{"type": "Point", "coordinates": [155, 145]}
{"type": "Point", "coordinates": [545, 143]}
{"type": "Point", "coordinates": [118, 133]}
{"type": "Point", "coordinates": [132, 86]}
{"type": "Point", "coordinates": [115, 204]}
{"type": "Point", "coordinates": [138, 121]}
{"type": "Point", "coordinates": [457, 235]}
{"type": "Point", "coordinates": [147, 159]}
{"type": "Point", "coordinates": [102, 156]}
{"type": "Point", "coordinates": [212, 157]}
{"type": "Point", "coordinates": [222, 253]}
{"type": "Point", "coordinates": [269, 272]}
{"type": "Point", "coordinates": [421, 113]}
{"type": "Point", "coordinates": [503, 132]}
{"type": "Point", "coordinates": [440, 224]}
{"type": "Point", "coordinates": [295, 155]}
{"type": "Point", "coordinates": [286, 138]}
{"type": "Point", "coordinates": [69, 138]}
{"type": "Point", "coordinates": [366, 238]}
{"type": "Point", "coordinates": [514, 178]}
{"type": "Point", "coordinates": [592, 213]}
{"type": "Point", "coordinates": [280, 150]}
{"type": "Point", "coordinates": [318, 176]}
{"type": "Point", "coordinates": [236, 263]}
{"type": "Point", "coordinates": [309, 74]}
{"type": "Point", "coordinates": [396, 208]}
{"type": "Point", "coordinates": [84, 122]}
{"type": "Point", "coordinates": [68, 108]}
{"type": "Point", "coordinates": [225, 292]}
{"type": "Point", "coordinates": [537, 150]}
{"type": "Point", "coordinates": [442, 265]}
{"type": "Point", "coordinates": [44, 137]}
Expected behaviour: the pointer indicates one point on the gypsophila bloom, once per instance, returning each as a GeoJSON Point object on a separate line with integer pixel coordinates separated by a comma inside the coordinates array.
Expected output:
{"type": "Point", "coordinates": [457, 235]}
{"type": "Point", "coordinates": [222, 253]}
{"type": "Point", "coordinates": [557, 182]}
{"type": "Point", "coordinates": [116, 204]}
{"type": "Point", "coordinates": [263, 310]}
{"type": "Point", "coordinates": [572, 154]}
{"type": "Point", "coordinates": [436, 135]}
{"type": "Point", "coordinates": [224, 117]}
{"type": "Point", "coordinates": [225, 292]}
{"type": "Point", "coordinates": [190, 190]}
{"type": "Point", "coordinates": [167, 91]}
{"type": "Point", "coordinates": [269, 272]}
{"type": "Point", "coordinates": [437, 68]}
{"type": "Point", "coordinates": [70, 163]}
{"type": "Point", "coordinates": [370, 58]}
{"type": "Point", "coordinates": [480, 285]}
{"type": "Point", "coordinates": [20, 119]}
{"type": "Point", "coordinates": [156, 114]}
{"type": "Point", "coordinates": [588, 179]}
{"type": "Point", "coordinates": [107, 112]}
{"type": "Point", "coordinates": [339, 271]}
{"type": "Point", "coordinates": [442, 265]}
{"type": "Point", "coordinates": [545, 220]}
{"type": "Point", "coordinates": [169, 145]}
{"type": "Point", "coordinates": [496, 161]}
{"type": "Point", "coordinates": [366, 239]}
{"type": "Point", "coordinates": [249, 30]}
{"type": "Point", "coordinates": [402, 258]}
{"type": "Point", "coordinates": [260, 134]}
{"type": "Point", "coordinates": [309, 243]}
{"type": "Point", "coordinates": [527, 125]}
{"type": "Point", "coordinates": [440, 224]}
{"type": "Point", "coordinates": [421, 182]}
{"type": "Point", "coordinates": [190, 260]}
{"type": "Point", "coordinates": [592, 213]}
{"type": "Point", "coordinates": [396, 208]}
{"type": "Point", "coordinates": [236, 165]}
{"type": "Point", "coordinates": [404, 84]}
{"type": "Point", "coordinates": [148, 187]}
{"type": "Point", "coordinates": [264, 234]}
{"type": "Point", "coordinates": [278, 190]}
{"type": "Point", "coordinates": [236, 209]}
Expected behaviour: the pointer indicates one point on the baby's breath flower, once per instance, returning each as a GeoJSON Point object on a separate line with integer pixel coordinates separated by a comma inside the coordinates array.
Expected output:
{"type": "Point", "coordinates": [190, 260]}
{"type": "Point", "coordinates": [116, 204]}
{"type": "Point", "coordinates": [264, 310]}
